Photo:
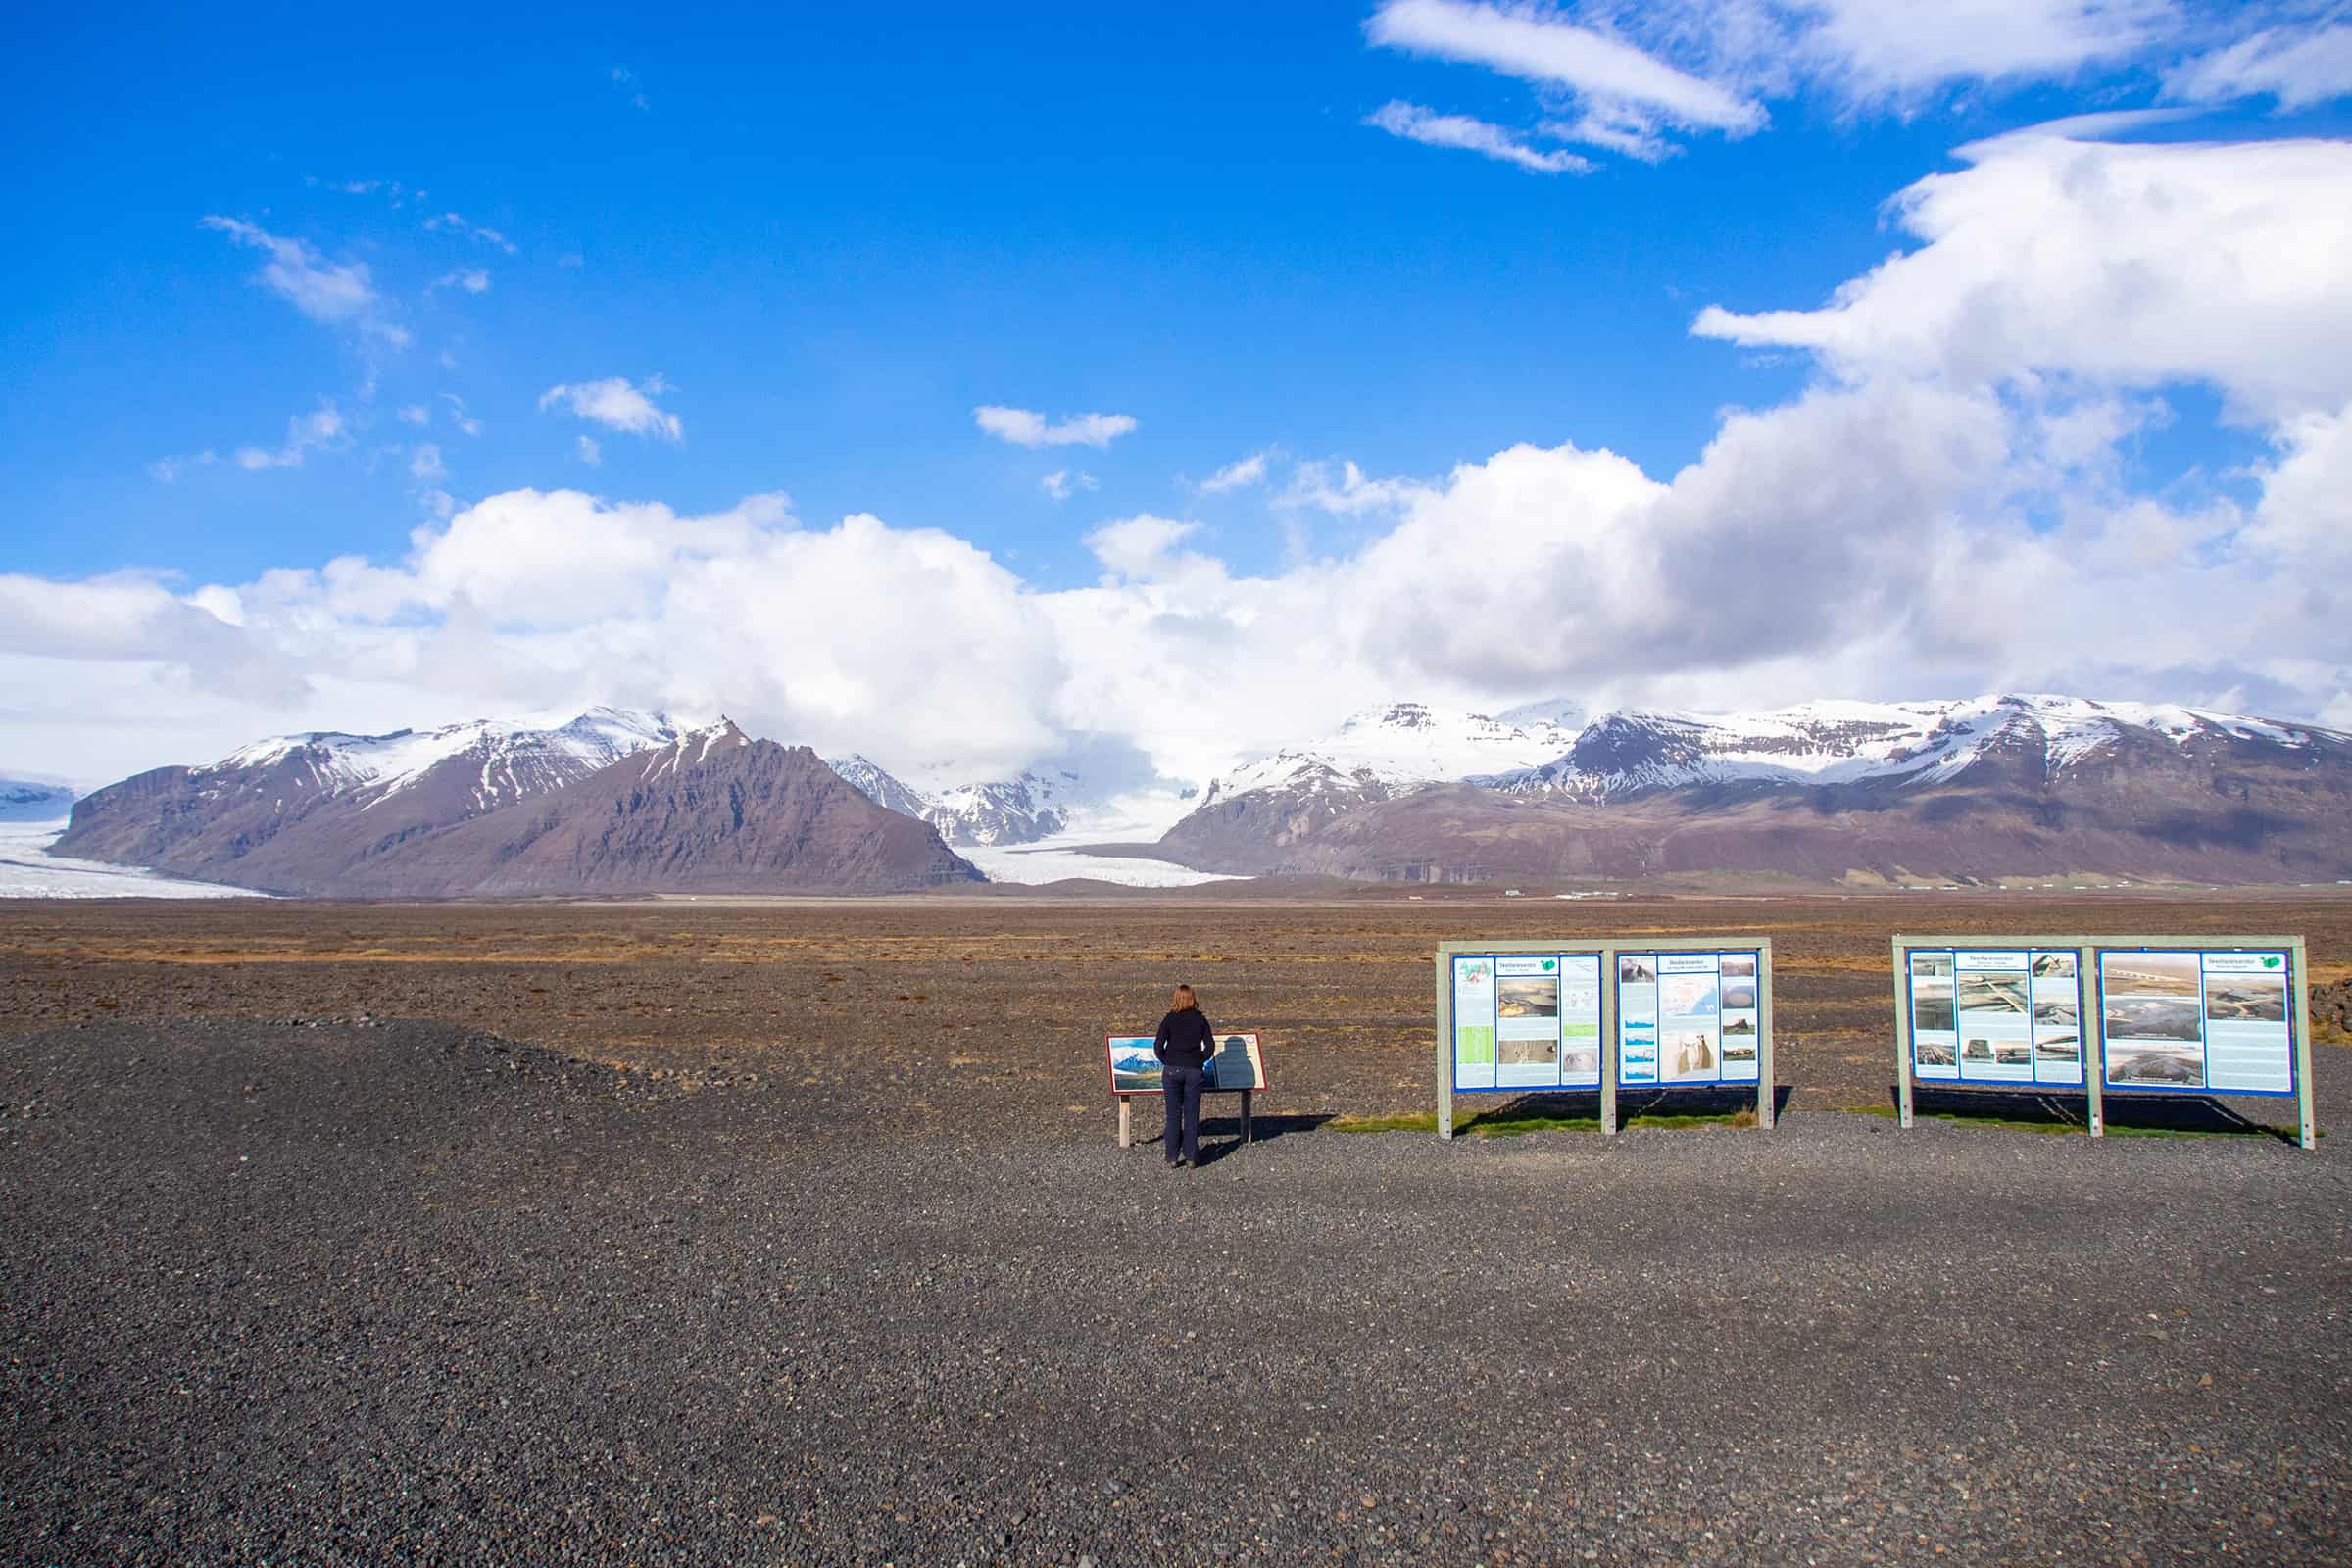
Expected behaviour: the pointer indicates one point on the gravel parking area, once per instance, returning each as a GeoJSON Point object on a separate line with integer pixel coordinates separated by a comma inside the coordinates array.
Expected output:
{"type": "Point", "coordinates": [410, 1293]}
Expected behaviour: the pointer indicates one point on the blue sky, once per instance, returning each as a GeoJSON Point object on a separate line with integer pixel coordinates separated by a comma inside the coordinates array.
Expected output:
{"type": "Point", "coordinates": [833, 236]}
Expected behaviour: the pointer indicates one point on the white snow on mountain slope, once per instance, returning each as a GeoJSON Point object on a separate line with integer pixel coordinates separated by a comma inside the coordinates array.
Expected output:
{"type": "Point", "coordinates": [1017, 811]}
{"type": "Point", "coordinates": [1550, 746]}
{"type": "Point", "coordinates": [871, 781]}
{"type": "Point", "coordinates": [26, 872]}
{"type": "Point", "coordinates": [1405, 745]}
{"type": "Point", "coordinates": [1627, 753]}
{"type": "Point", "coordinates": [691, 749]}
{"type": "Point", "coordinates": [518, 758]}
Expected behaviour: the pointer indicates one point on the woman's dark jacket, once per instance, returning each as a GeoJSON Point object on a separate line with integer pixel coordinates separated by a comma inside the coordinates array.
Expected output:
{"type": "Point", "coordinates": [1185, 1039]}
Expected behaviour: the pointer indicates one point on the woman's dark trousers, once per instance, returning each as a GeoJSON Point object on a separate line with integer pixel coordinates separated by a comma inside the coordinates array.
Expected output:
{"type": "Point", "coordinates": [1181, 1086]}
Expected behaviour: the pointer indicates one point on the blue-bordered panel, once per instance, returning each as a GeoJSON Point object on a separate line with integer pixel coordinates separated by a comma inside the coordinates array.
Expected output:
{"type": "Point", "coordinates": [1689, 1020]}
{"type": "Point", "coordinates": [1992, 1016]}
{"type": "Point", "coordinates": [2199, 1020]}
{"type": "Point", "coordinates": [1526, 1020]}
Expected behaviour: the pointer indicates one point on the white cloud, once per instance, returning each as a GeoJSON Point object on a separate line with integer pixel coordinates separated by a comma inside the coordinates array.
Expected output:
{"type": "Point", "coordinates": [1062, 483]}
{"type": "Point", "coordinates": [458, 415]}
{"type": "Point", "coordinates": [167, 471]}
{"type": "Point", "coordinates": [2298, 67]}
{"type": "Point", "coordinates": [1139, 546]}
{"type": "Point", "coordinates": [1433, 129]}
{"type": "Point", "coordinates": [338, 293]}
{"type": "Point", "coordinates": [617, 405]}
{"type": "Point", "coordinates": [456, 224]}
{"type": "Point", "coordinates": [624, 80]}
{"type": "Point", "coordinates": [1631, 75]}
{"type": "Point", "coordinates": [473, 279]}
{"type": "Point", "coordinates": [2131, 265]}
{"type": "Point", "coordinates": [425, 463]}
{"type": "Point", "coordinates": [1238, 474]}
{"type": "Point", "coordinates": [1889, 50]}
{"type": "Point", "coordinates": [1344, 490]}
{"type": "Point", "coordinates": [587, 450]}
{"type": "Point", "coordinates": [1026, 428]}
{"type": "Point", "coordinates": [415, 413]}
{"type": "Point", "coordinates": [1547, 49]}
{"type": "Point", "coordinates": [304, 433]}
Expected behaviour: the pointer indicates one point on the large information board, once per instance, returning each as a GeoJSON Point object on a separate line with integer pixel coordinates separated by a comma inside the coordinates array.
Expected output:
{"type": "Point", "coordinates": [2215, 1016]}
{"type": "Point", "coordinates": [1523, 1018]}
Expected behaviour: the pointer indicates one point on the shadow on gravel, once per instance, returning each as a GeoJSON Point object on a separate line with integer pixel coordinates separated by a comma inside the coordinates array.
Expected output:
{"type": "Point", "coordinates": [2173, 1115]}
{"type": "Point", "coordinates": [1221, 1135]}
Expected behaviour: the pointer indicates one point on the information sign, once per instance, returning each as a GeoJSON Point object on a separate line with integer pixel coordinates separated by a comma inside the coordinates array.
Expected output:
{"type": "Point", "coordinates": [2186, 1020]}
{"type": "Point", "coordinates": [1688, 1018]}
{"type": "Point", "coordinates": [2224, 1015]}
{"type": "Point", "coordinates": [1238, 1062]}
{"type": "Point", "coordinates": [1996, 1015]}
{"type": "Point", "coordinates": [1523, 1018]}
{"type": "Point", "coordinates": [1524, 1021]}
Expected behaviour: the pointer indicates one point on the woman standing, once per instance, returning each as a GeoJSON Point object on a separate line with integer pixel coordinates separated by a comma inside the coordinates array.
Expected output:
{"type": "Point", "coordinates": [1185, 1043]}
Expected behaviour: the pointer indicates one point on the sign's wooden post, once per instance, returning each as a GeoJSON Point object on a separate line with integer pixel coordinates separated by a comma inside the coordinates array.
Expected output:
{"type": "Point", "coordinates": [2300, 997]}
{"type": "Point", "coordinates": [1608, 1041]}
{"type": "Point", "coordinates": [1444, 1042]}
{"type": "Point", "coordinates": [1246, 1115]}
{"type": "Point", "coordinates": [1126, 1125]}
{"type": "Point", "coordinates": [1902, 1034]}
{"type": "Point", "coordinates": [2090, 1032]}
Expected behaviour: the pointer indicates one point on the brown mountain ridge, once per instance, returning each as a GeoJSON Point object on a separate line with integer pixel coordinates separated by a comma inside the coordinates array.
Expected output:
{"type": "Point", "coordinates": [710, 810]}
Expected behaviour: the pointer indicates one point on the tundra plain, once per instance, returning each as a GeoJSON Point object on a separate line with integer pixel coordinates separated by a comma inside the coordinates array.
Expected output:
{"type": "Point", "coordinates": [795, 1233]}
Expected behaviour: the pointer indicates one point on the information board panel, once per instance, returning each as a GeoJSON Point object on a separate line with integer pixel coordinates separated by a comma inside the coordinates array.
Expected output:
{"type": "Point", "coordinates": [1515, 1018]}
{"type": "Point", "coordinates": [2205, 1014]}
{"type": "Point", "coordinates": [1238, 1062]}
{"type": "Point", "coordinates": [1688, 1019]}
{"type": "Point", "coordinates": [2199, 1020]}
{"type": "Point", "coordinates": [1526, 1020]}
{"type": "Point", "coordinates": [1995, 1015]}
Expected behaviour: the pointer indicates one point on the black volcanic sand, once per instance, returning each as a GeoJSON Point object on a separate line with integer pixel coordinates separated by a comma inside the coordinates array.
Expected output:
{"type": "Point", "coordinates": [414, 1294]}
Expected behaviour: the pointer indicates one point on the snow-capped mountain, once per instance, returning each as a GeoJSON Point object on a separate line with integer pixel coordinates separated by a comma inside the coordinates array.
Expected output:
{"type": "Point", "coordinates": [298, 810]}
{"type": "Point", "coordinates": [612, 801]}
{"type": "Point", "coordinates": [870, 780]}
{"type": "Point", "coordinates": [1623, 754]}
{"type": "Point", "coordinates": [1016, 810]}
{"type": "Point", "coordinates": [2003, 785]}
{"type": "Point", "coordinates": [1383, 751]}
{"type": "Point", "coordinates": [497, 763]}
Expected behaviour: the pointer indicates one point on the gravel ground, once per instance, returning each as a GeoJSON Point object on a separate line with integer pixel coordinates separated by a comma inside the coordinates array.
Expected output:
{"type": "Point", "coordinates": [412, 1294]}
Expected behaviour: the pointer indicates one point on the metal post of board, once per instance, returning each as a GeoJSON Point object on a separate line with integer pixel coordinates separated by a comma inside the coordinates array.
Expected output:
{"type": "Point", "coordinates": [1608, 1041]}
{"type": "Point", "coordinates": [1245, 1115]}
{"type": "Point", "coordinates": [2090, 997]}
{"type": "Point", "coordinates": [1444, 1016]}
{"type": "Point", "coordinates": [1766, 1089]}
{"type": "Point", "coordinates": [1902, 1031]}
{"type": "Point", "coordinates": [1126, 1126]}
{"type": "Point", "coordinates": [2309, 1129]}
